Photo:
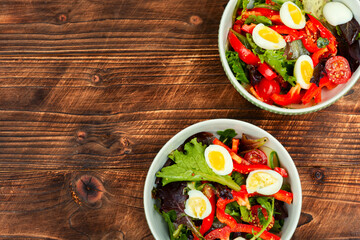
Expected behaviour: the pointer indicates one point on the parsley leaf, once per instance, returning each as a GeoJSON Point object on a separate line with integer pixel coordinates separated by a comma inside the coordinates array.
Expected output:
{"type": "Point", "coordinates": [191, 165]}
{"type": "Point", "coordinates": [226, 136]}
{"type": "Point", "coordinates": [322, 42]}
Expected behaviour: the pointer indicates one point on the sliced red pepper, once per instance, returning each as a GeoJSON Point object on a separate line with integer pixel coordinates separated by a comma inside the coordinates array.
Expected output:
{"type": "Point", "coordinates": [248, 28]}
{"type": "Point", "coordinates": [237, 28]}
{"type": "Point", "coordinates": [281, 171]}
{"type": "Point", "coordinates": [241, 197]}
{"type": "Point", "coordinates": [235, 145]}
{"type": "Point", "coordinates": [246, 169]}
{"type": "Point", "coordinates": [317, 55]}
{"type": "Point", "coordinates": [292, 34]}
{"type": "Point", "coordinates": [310, 93]}
{"type": "Point", "coordinates": [325, 82]}
{"type": "Point", "coordinates": [233, 155]}
{"type": "Point", "coordinates": [310, 40]}
{"type": "Point", "coordinates": [266, 71]}
{"type": "Point", "coordinates": [221, 215]}
{"type": "Point", "coordinates": [325, 33]}
{"type": "Point", "coordinates": [245, 54]}
{"type": "Point", "coordinates": [293, 96]}
{"type": "Point", "coordinates": [224, 233]}
{"type": "Point", "coordinates": [284, 196]}
{"type": "Point", "coordinates": [281, 195]}
{"type": "Point", "coordinates": [317, 97]}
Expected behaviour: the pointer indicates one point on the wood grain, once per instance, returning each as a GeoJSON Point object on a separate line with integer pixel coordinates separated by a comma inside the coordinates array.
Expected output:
{"type": "Point", "coordinates": [96, 88]}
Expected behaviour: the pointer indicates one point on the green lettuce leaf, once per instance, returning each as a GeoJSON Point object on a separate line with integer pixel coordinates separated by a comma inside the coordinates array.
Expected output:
{"type": "Point", "coordinates": [237, 66]}
{"type": "Point", "coordinates": [191, 165]}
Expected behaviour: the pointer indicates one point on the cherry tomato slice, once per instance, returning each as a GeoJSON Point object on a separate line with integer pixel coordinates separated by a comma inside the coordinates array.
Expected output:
{"type": "Point", "coordinates": [256, 156]}
{"type": "Point", "coordinates": [267, 87]}
{"type": "Point", "coordinates": [338, 69]}
{"type": "Point", "coordinates": [255, 214]}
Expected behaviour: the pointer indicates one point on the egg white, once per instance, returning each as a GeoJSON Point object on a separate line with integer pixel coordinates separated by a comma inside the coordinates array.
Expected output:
{"type": "Point", "coordinates": [228, 168]}
{"type": "Point", "coordinates": [297, 71]}
{"type": "Point", "coordinates": [263, 43]}
{"type": "Point", "coordinates": [189, 211]}
{"type": "Point", "coordinates": [288, 20]}
{"type": "Point", "coordinates": [267, 190]}
{"type": "Point", "coordinates": [337, 13]}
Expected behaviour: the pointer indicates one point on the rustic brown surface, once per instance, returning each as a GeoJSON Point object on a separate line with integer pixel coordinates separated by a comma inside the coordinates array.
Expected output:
{"type": "Point", "coordinates": [96, 87]}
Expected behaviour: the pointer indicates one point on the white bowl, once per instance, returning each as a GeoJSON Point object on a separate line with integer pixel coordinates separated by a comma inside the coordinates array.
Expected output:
{"type": "Point", "coordinates": [158, 226]}
{"type": "Point", "coordinates": [328, 97]}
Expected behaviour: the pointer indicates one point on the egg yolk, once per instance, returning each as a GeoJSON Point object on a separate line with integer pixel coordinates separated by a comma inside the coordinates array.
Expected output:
{"type": "Point", "coordinates": [269, 35]}
{"type": "Point", "coordinates": [260, 180]}
{"type": "Point", "coordinates": [217, 160]}
{"type": "Point", "coordinates": [197, 206]}
{"type": "Point", "coordinates": [295, 13]}
{"type": "Point", "coordinates": [306, 71]}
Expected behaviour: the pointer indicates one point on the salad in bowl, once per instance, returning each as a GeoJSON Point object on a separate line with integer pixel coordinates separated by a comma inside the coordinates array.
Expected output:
{"type": "Point", "coordinates": [222, 183]}
{"type": "Point", "coordinates": [292, 56]}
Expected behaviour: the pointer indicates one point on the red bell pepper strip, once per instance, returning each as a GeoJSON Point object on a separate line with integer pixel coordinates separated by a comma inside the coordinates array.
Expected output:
{"type": "Point", "coordinates": [293, 96]}
{"type": "Point", "coordinates": [241, 197]}
{"type": "Point", "coordinates": [310, 40]}
{"type": "Point", "coordinates": [284, 196]}
{"type": "Point", "coordinates": [325, 82]}
{"type": "Point", "coordinates": [235, 145]}
{"type": "Point", "coordinates": [266, 71]}
{"type": "Point", "coordinates": [281, 171]}
{"type": "Point", "coordinates": [208, 221]}
{"type": "Point", "coordinates": [292, 34]}
{"type": "Point", "coordinates": [245, 54]}
{"type": "Point", "coordinates": [281, 195]}
{"type": "Point", "coordinates": [224, 233]}
{"type": "Point", "coordinates": [237, 28]}
{"type": "Point", "coordinates": [246, 169]}
{"type": "Point", "coordinates": [317, 55]}
{"type": "Point", "coordinates": [325, 33]}
{"type": "Point", "coordinates": [317, 97]}
{"type": "Point", "coordinates": [233, 155]}
{"type": "Point", "coordinates": [310, 93]}
{"type": "Point", "coordinates": [220, 212]}
{"type": "Point", "coordinates": [315, 92]}
{"type": "Point", "coordinates": [248, 28]}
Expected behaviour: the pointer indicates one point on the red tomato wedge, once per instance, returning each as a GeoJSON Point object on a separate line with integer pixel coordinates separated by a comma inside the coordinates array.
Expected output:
{"type": "Point", "coordinates": [338, 69]}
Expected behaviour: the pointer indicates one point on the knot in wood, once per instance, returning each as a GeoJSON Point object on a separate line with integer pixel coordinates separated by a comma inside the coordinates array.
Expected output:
{"type": "Point", "coordinates": [196, 20]}
{"type": "Point", "coordinates": [61, 18]}
{"type": "Point", "coordinates": [81, 135]}
{"type": "Point", "coordinates": [89, 189]}
{"type": "Point", "coordinates": [96, 78]}
{"type": "Point", "coordinates": [318, 175]}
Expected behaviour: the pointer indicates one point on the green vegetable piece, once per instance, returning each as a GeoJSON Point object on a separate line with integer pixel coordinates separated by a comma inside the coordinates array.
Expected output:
{"type": "Point", "coordinates": [226, 136]}
{"type": "Point", "coordinates": [190, 165]}
{"type": "Point", "coordinates": [261, 217]}
{"type": "Point", "coordinates": [177, 232]}
{"type": "Point", "coordinates": [277, 227]}
{"type": "Point", "coordinates": [233, 209]}
{"type": "Point", "coordinates": [272, 157]}
{"type": "Point", "coordinates": [277, 60]}
{"type": "Point", "coordinates": [271, 7]}
{"type": "Point", "coordinates": [238, 178]}
{"type": "Point", "coordinates": [258, 19]}
{"type": "Point", "coordinates": [169, 217]}
{"type": "Point", "coordinates": [237, 66]}
{"type": "Point", "coordinates": [245, 214]}
{"type": "Point", "coordinates": [242, 39]}
{"type": "Point", "coordinates": [264, 202]}
{"type": "Point", "coordinates": [322, 42]}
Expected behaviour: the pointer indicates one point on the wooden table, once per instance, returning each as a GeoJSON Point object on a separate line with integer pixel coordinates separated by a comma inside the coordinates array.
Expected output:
{"type": "Point", "coordinates": [91, 90]}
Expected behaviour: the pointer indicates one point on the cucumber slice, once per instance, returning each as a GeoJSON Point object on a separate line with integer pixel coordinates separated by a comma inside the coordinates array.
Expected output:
{"type": "Point", "coordinates": [273, 159]}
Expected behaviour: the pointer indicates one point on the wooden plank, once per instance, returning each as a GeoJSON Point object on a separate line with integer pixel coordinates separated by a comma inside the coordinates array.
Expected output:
{"type": "Point", "coordinates": [46, 199]}
{"type": "Point", "coordinates": [107, 26]}
{"type": "Point", "coordinates": [43, 140]}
